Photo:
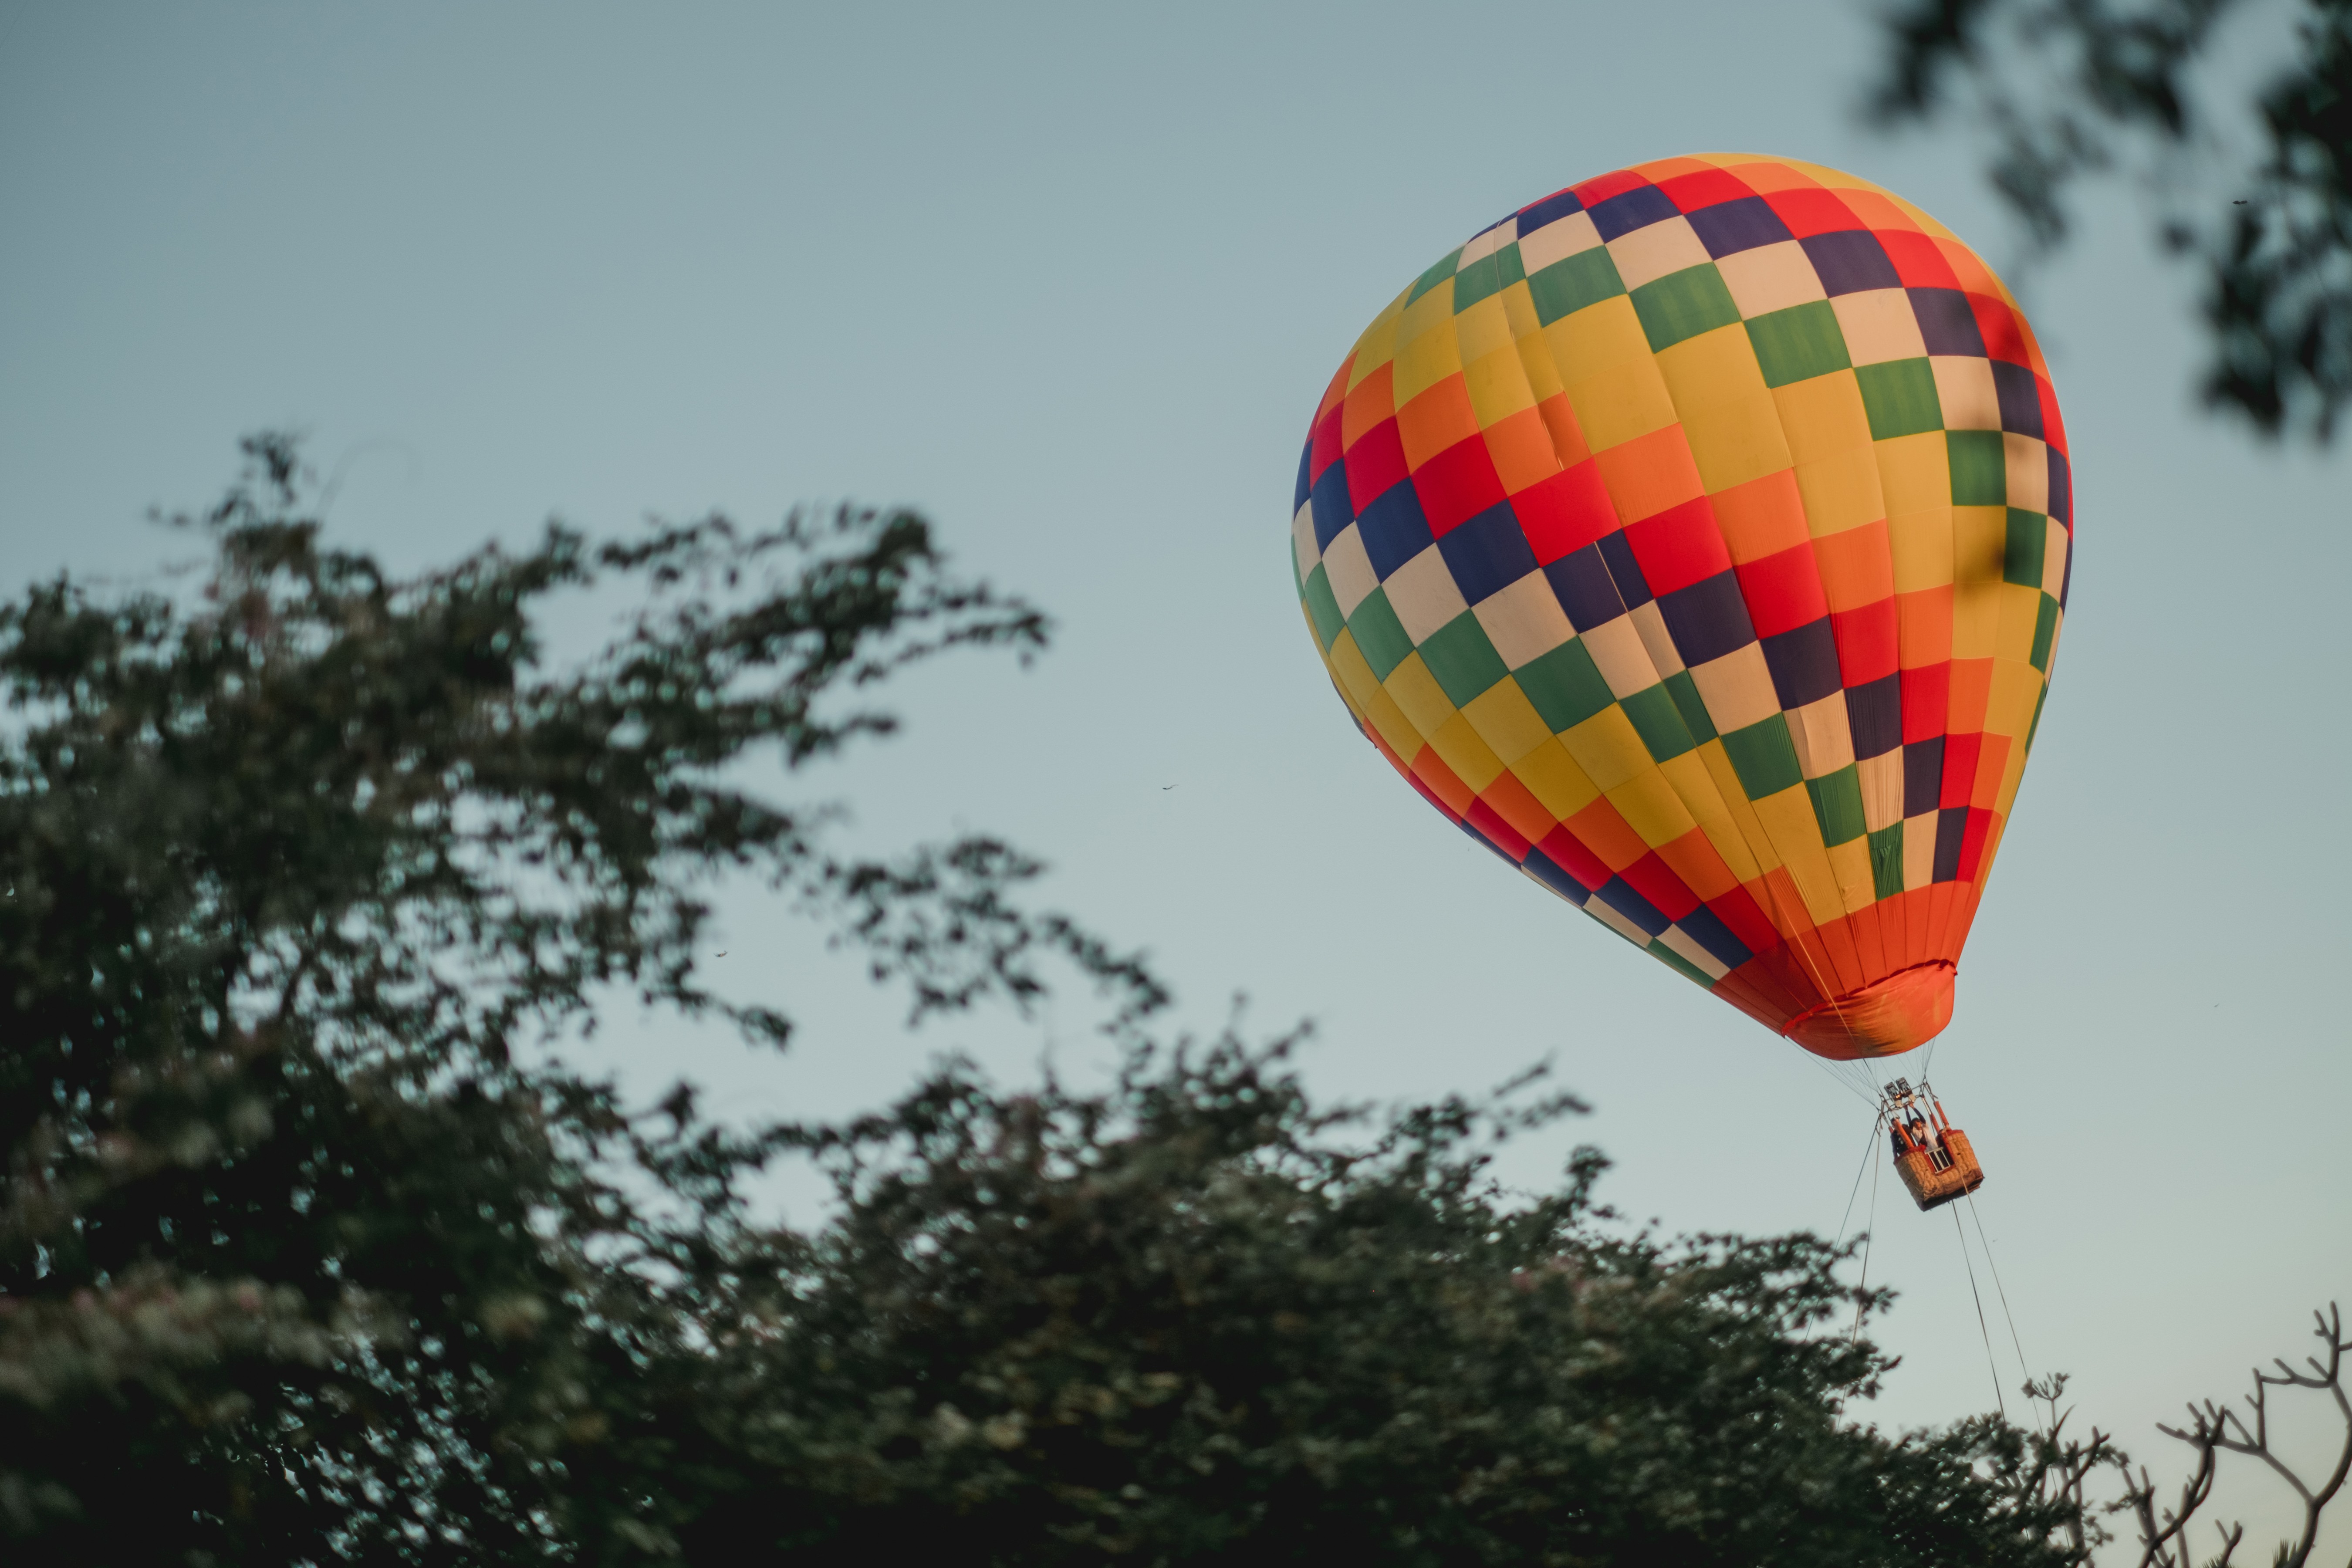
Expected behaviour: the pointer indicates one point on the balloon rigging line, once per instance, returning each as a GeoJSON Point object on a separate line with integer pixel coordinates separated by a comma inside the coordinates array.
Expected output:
{"type": "Point", "coordinates": [1862, 1286]}
{"type": "Point", "coordinates": [1868, 1144]}
{"type": "Point", "coordinates": [1843, 1082]}
{"type": "Point", "coordinates": [2022, 1365]}
{"type": "Point", "coordinates": [1990, 1365]}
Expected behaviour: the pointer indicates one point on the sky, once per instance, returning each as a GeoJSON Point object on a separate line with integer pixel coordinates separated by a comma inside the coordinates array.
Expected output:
{"type": "Point", "coordinates": [1070, 280]}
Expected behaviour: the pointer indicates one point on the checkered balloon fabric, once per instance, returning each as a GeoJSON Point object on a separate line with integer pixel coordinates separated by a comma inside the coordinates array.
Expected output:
{"type": "Point", "coordinates": [1698, 538]}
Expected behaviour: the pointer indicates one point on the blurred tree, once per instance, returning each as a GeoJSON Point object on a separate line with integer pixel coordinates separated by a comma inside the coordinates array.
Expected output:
{"type": "Point", "coordinates": [313, 1248]}
{"type": "Point", "coordinates": [2071, 87]}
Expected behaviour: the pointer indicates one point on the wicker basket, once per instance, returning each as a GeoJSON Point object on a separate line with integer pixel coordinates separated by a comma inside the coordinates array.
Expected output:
{"type": "Point", "coordinates": [1931, 1188]}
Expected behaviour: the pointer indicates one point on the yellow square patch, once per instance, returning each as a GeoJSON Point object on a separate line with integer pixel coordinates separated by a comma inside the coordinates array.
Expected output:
{"type": "Point", "coordinates": [2009, 706]}
{"type": "Point", "coordinates": [1976, 617]}
{"type": "Point", "coordinates": [1761, 855]}
{"type": "Point", "coordinates": [1534, 358]}
{"type": "Point", "coordinates": [1787, 816]}
{"type": "Point", "coordinates": [1712, 365]}
{"type": "Point", "coordinates": [1622, 404]}
{"type": "Point", "coordinates": [1377, 346]}
{"type": "Point", "coordinates": [1914, 472]}
{"type": "Point", "coordinates": [1417, 692]}
{"type": "Point", "coordinates": [2019, 608]}
{"type": "Point", "coordinates": [1608, 748]}
{"type": "Point", "coordinates": [1498, 384]}
{"type": "Point", "coordinates": [1920, 543]}
{"type": "Point", "coordinates": [1840, 491]}
{"type": "Point", "coordinates": [1979, 541]}
{"type": "Point", "coordinates": [1650, 806]}
{"type": "Point", "coordinates": [1822, 416]}
{"type": "Point", "coordinates": [1426, 360]}
{"type": "Point", "coordinates": [1472, 760]}
{"type": "Point", "coordinates": [1597, 338]}
{"type": "Point", "coordinates": [1483, 327]}
{"type": "Point", "coordinates": [1850, 868]}
{"type": "Point", "coordinates": [1507, 721]}
{"type": "Point", "coordinates": [1428, 313]}
{"type": "Point", "coordinates": [1553, 777]}
{"type": "Point", "coordinates": [1734, 439]}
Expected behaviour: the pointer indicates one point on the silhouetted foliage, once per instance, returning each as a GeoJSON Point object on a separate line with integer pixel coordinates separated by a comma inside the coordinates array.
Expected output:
{"type": "Point", "coordinates": [2070, 86]}
{"type": "Point", "coordinates": [314, 1249]}
{"type": "Point", "coordinates": [2213, 1430]}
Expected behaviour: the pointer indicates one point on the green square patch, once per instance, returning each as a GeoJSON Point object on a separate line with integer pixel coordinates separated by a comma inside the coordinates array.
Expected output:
{"type": "Point", "coordinates": [1886, 861]}
{"type": "Point", "coordinates": [1487, 276]}
{"type": "Point", "coordinates": [1764, 757]}
{"type": "Point", "coordinates": [1658, 722]}
{"type": "Point", "coordinates": [1980, 467]}
{"type": "Point", "coordinates": [1569, 285]}
{"type": "Point", "coordinates": [2025, 556]}
{"type": "Point", "coordinates": [1464, 661]}
{"type": "Point", "coordinates": [1799, 343]}
{"type": "Point", "coordinates": [1380, 635]}
{"type": "Point", "coordinates": [1837, 804]}
{"type": "Point", "coordinates": [2045, 632]}
{"type": "Point", "coordinates": [1565, 686]}
{"type": "Point", "coordinates": [1438, 273]}
{"type": "Point", "coordinates": [1322, 607]}
{"type": "Point", "coordinates": [1900, 398]}
{"type": "Point", "coordinates": [1683, 305]}
{"type": "Point", "coordinates": [1691, 705]}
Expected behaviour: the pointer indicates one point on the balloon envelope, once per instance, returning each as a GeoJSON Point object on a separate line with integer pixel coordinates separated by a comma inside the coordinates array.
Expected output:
{"type": "Point", "coordinates": [1698, 538]}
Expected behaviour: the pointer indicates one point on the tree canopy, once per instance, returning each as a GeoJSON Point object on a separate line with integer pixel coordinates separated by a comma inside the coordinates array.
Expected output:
{"type": "Point", "coordinates": [315, 1247]}
{"type": "Point", "coordinates": [2071, 88]}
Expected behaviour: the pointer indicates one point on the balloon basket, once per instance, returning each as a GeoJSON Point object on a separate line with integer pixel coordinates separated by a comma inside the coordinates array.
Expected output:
{"type": "Point", "coordinates": [1933, 1158]}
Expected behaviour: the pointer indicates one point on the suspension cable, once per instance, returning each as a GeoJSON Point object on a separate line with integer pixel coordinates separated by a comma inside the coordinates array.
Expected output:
{"type": "Point", "coordinates": [1862, 1286]}
{"type": "Point", "coordinates": [1990, 1365]}
{"type": "Point", "coordinates": [2023, 1364]}
{"type": "Point", "coordinates": [1843, 1082]}
{"type": "Point", "coordinates": [1867, 1145]}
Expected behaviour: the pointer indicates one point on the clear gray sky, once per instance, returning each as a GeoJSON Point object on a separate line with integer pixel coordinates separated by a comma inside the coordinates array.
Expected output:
{"type": "Point", "coordinates": [1071, 279]}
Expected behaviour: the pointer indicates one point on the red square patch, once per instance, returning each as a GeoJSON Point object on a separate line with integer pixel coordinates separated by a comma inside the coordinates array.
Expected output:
{"type": "Point", "coordinates": [1679, 546]}
{"type": "Point", "coordinates": [1565, 512]}
{"type": "Point", "coordinates": [1865, 642]}
{"type": "Point", "coordinates": [1998, 323]}
{"type": "Point", "coordinates": [1917, 260]}
{"type": "Point", "coordinates": [1784, 591]}
{"type": "Point", "coordinates": [1323, 446]}
{"type": "Point", "coordinates": [1705, 188]}
{"type": "Point", "coordinates": [1456, 485]}
{"type": "Point", "coordinates": [1960, 768]}
{"type": "Point", "coordinates": [1926, 701]}
{"type": "Point", "coordinates": [1567, 852]}
{"type": "Point", "coordinates": [2053, 426]}
{"type": "Point", "coordinates": [1977, 829]}
{"type": "Point", "coordinates": [1656, 880]}
{"type": "Point", "coordinates": [1812, 212]}
{"type": "Point", "coordinates": [1375, 464]}
{"type": "Point", "coordinates": [1592, 193]}
{"type": "Point", "coordinates": [1498, 832]}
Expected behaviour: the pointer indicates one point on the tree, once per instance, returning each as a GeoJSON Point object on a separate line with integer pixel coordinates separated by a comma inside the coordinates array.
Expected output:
{"type": "Point", "coordinates": [2213, 1430]}
{"type": "Point", "coordinates": [314, 1248]}
{"type": "Point", "coordinates": [2073, 87]}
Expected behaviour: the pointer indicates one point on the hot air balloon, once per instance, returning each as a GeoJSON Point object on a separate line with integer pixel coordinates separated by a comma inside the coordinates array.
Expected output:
{"type": "Point", "coordinates": [1698, 538]}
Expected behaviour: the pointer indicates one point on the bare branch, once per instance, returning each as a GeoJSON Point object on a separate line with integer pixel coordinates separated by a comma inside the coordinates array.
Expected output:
{"type": "Point", "coordinates": [2212, 1429]}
